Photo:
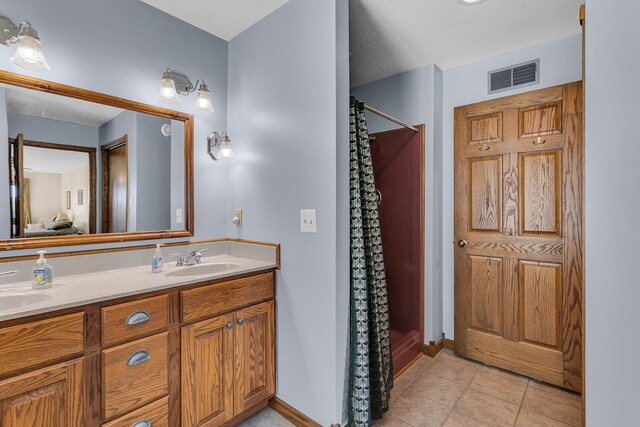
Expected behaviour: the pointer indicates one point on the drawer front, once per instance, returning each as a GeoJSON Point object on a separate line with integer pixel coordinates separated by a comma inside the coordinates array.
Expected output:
{"type": "Point", "coordinates": [134, 319]}
{"type": "Point", "coordinates": [209, 301]}
{"type": "Point", "coordinates": [36, 343]}
{"type": "Point", "coordinates": [134, 374]}
{"type": "Point", "coordinates": [155, 414]}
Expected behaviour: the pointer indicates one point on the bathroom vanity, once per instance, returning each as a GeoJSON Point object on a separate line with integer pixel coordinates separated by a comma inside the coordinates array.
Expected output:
{"type": "Point", "coordinates": [127, 348]}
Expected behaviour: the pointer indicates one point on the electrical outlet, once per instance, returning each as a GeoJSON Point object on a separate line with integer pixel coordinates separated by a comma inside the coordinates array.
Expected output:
{"type": "Point", "coordinates": [308, 221]}
{"type": "Point", "coordinates": [237, 217]}
{"type": "Point", "coordinates": [178, 216]}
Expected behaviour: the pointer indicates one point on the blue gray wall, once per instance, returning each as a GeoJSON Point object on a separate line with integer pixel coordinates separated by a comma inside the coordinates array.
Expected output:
{"type": "Point", "coordinates": [45, 130]}
{"type": "Point", "coordinates": [121, 47]}
{"type": "Point", "coordinates": [415, 97]}
{"type": "Point", "coordinates": [283, 98]}
{"type": "Point", "coordinates": [612, 150]}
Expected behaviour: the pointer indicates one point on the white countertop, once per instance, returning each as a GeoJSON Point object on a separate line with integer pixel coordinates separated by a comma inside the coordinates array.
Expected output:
{"type": "Point", "coordinates": [82, 289]}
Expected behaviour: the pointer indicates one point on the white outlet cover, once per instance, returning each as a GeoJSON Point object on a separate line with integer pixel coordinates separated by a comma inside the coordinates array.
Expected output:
{"type": "Point", "coordinates": [178, 216]}
{"type": "Point", "coordinates": [308, 221]}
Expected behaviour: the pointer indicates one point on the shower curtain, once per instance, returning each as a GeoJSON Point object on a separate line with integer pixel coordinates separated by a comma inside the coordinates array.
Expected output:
{"type": "Point", "coordinates": [370, 367]}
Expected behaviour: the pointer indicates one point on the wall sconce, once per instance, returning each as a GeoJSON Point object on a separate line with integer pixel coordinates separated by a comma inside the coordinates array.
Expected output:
{"type": "Point", "coordinates": [219, 146]}
{"type": "Point", "coordinates": [173, 85]}
{"type": "Point", "coordinates": [28, 52]}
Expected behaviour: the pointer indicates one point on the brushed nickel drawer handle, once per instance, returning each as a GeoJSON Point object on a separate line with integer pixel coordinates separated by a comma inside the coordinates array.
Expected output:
{"type": "Point", "coordinates": [138, 357]}
{"type": "Point", "coordinates": [142, 423]}
{"type": "Point", "coordinates": [138, 317]}
{"type": "Point", "coordinates": [484, 147]}
{"type": "Point", "coordinates": [230, 325]}
{"type": "Point", "coordinates": [240, 322]}
{"type": "Point", "coordinates": [539, 141]}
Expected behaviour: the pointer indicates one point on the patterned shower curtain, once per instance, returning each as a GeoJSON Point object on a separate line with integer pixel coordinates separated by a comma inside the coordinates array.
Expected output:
{"type": "Point", "coordinates": [370, 367]}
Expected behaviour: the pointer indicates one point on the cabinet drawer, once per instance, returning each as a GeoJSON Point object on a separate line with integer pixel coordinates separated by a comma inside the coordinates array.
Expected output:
{"type": "Point", "coordinates": [134, 374]}
{"type": "Point", "coordinates": [134, 319]}
{"type": "Point", "coordinates": [36, 343]}
{"type": "Point", "coordinates": [155, 414]}
{"type": "Point", "coordinates": [209, 301]}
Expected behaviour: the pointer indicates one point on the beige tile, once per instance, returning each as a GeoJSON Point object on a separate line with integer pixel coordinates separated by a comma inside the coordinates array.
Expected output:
{"type": "Point", "coordinates": [487, 408]}
{"type": "Point", "coordinates": [401, 383]}
{"type": "Point", "coordinates": [453, 370]}
{"type": "Point", "coordinates": [390, 421]}
{"type": "Point", "coordinates": [436, 388]}
{"type": "Point", "coordinates": [418, 411]}
{"type": "Point", "coordinates": [527, 418]}
{"type": "Point", "coordinates": [553, 403]}
{"type": "Point", "coordinates": [419, 366]}
{"type": "Point", "coordinates": [267, 418]}
{"type": "Point", "coordinates": [500, 384]}
{"type": "Point", "coordinates": [458, 419]}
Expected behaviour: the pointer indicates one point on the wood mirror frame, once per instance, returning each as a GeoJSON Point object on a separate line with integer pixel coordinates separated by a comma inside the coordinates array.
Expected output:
{"type": "Point", "coordinates": [19, 80]}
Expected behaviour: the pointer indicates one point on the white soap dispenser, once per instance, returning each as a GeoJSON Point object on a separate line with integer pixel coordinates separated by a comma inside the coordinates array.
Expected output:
{"type": "Point", "coordinates": [157, 263]}
{"type": "Point", "coordinates": [42, 273]}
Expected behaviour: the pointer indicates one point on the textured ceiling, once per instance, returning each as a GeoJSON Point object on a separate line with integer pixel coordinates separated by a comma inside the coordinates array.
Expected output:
{"type": "Point", "coordinates": [391, 36]}
{"type": "Point", "coordinates": [223, 18]}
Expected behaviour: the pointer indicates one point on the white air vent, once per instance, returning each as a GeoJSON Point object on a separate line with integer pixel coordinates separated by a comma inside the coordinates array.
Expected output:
{"type": "Point", "coordinates": [515, 76]}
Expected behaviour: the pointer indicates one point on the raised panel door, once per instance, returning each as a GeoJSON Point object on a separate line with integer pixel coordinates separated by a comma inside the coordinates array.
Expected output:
{"type": "Point", "coordinates": [49, 397]}
{"type": "Point", "coordinates": [518, 233]}
{"type": "Point", "coordinates": [254, 355]}
{"type": "Point", "coordinates": [207, 372]}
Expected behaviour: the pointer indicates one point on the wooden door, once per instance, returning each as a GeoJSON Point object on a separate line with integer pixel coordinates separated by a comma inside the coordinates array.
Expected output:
{"type": "Point", "coordinates": [49, 397]}
{"type": "Point", "coordinates": [115, 186]}
{"type": "Point", "coordinates": [254, 355]}
{"type": "Point", "coordinates": [518, 231]}
{"type": "Point", "coordinates": [16, 183]}
{"type": "Point", "coordinates": [207, 372]}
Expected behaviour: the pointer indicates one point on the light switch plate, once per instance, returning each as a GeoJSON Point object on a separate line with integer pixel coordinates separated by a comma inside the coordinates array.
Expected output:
{"type": "Point", "coordinates": [178, 216]}
{"type": "Point", "coordinates": [308, 221]}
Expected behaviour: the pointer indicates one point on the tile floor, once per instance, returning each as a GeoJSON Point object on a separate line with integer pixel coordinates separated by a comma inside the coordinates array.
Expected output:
{"type": "Point", "coordinates": [453, 392]}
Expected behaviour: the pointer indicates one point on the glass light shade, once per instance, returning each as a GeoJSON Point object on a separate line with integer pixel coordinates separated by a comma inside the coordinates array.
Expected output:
{"type": "Point", "coordinates": [203, 101]}
{"type": "Point", "coordinates": [168, 91]}
{"type": "Point", "coordinates": [226, 151]}
{"type": "Point", "coordinates": [29, 54]}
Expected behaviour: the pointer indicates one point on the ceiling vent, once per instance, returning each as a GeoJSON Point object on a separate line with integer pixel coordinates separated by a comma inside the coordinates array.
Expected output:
{"type": "Point", "coordinates": [515, 76]}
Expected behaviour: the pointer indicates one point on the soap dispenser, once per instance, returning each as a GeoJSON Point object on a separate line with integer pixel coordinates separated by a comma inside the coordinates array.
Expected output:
{"type": "Point", "coordinates": [42, 273]}
{"type": "Point", "coordinates": [156, 262]}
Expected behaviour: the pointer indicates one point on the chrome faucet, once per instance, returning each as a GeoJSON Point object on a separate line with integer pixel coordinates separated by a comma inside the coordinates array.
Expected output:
{"type": "Point", "coordinates": [192, 258]}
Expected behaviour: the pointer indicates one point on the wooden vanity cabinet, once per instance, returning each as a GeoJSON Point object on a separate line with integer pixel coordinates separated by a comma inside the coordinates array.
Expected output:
{"type": "Point", "coordinates": [197, 355]}
{"type": "Point", "coordinates": [228, 365]}
{"type": "Point", "coordinates": [48, 397]}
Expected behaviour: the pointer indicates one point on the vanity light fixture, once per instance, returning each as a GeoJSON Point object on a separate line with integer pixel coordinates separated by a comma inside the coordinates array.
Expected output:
{"type": "Point", "coordinates": [28, 52]}
{"type": "Point", "coordinates": [219, 146]}
{"type": "Point", "coordinates": [173, 85]}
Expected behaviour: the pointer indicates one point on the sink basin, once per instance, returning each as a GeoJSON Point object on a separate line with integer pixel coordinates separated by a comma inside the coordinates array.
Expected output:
{"type": "Point", "coordinates": [203, 269]}
{"type": "Point", "coordinates": [12, 300]}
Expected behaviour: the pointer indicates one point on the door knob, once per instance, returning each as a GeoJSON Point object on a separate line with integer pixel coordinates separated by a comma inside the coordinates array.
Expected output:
{"type": "Point", "coordinates": [462, 243]}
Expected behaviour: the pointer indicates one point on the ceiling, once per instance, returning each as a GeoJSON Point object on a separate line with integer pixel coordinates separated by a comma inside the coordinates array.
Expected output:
{"type": "Point", "coordinates": [223, 18]}
{"type": "Point", "coordinates": [391, 36]}
{"type": "Point", "coordinates": [46, 160]}
{"type": "Point", "coordinates": [55, 107]}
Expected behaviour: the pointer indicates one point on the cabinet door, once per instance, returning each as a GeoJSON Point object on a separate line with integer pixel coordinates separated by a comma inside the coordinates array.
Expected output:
{"type": "Point", "coordinates": [207, 372]}
{"type": "Point", "coordinates": [254, 355]}
{"type": "Point", "coordinates": [49, 397]}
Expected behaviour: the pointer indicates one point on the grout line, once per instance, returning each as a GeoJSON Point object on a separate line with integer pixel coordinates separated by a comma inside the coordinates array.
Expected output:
{"type": "Point", "coordinates": [522, 402]}
{"type": "Point", "coordinates": [453, 408]}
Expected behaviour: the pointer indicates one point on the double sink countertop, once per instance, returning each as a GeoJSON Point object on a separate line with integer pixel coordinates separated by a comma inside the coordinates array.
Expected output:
{"type": "Point", "coordinates": [19, 300]}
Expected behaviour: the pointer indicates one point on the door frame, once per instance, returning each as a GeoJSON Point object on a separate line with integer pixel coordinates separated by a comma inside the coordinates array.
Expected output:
{"type": "Point", "coordinates": [91, 151]}
{"type": "Point", "coordinates": [123, 141]}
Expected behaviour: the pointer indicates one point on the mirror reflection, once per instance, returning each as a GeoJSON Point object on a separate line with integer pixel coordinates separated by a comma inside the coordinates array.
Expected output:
{"type": "Point", "coordinates": [77, 167]}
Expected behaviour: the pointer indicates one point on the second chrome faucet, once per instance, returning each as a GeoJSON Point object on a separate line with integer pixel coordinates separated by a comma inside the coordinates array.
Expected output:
{"type": "Point", "coordinates": [192, 258]}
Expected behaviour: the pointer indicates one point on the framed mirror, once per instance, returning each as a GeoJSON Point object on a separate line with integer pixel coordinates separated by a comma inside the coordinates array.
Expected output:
{"type": "Point", "coordinates": [81, 167]}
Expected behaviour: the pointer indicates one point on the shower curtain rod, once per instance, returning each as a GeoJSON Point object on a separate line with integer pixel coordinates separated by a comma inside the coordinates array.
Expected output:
{"type": "Point", "coordinates": [388, 117]}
